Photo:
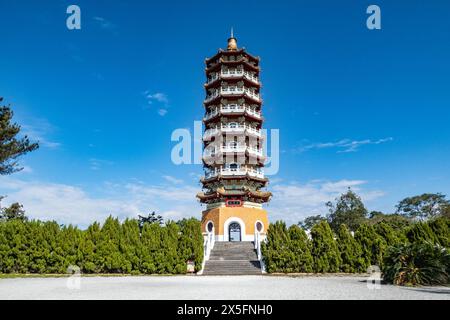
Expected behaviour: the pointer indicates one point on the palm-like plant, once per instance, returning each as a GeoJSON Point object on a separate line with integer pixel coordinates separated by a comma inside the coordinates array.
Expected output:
{"type": "Point", "coordinates": [417, 264]}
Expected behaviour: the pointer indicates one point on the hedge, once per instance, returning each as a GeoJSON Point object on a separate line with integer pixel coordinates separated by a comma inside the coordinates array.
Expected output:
{"type": "Point", "coordinates": [114, 247]}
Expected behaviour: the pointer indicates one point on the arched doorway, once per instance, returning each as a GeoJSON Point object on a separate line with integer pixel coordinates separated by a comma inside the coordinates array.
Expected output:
{"type": "Point", "coordinates": [234, 232]}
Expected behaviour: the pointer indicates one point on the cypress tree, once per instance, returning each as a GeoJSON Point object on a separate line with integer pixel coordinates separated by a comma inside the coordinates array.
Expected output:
{"type": "Point", "coordinates": [276, 250]}
{"type": "Point", "coordinates": [372, 245]}
{"type": "Point", "coordinates": [350, 251]}
{"type": "Point", "coordinates": [108, 246]}
{"type": "Point", "coordinates": [390, 236]}
{"type": "Point", "coordinates": [131, 246]}
{"type": "Point", "coordinates": [421, 232]}
{"type": "Point", "coordinates": [441, 229]}
{"type": "Point", "coordinates": [190, 245]}
{"type": "Point", "coordinates": [324, 249]}
{"type": "Point", "coordinates": [300, 248]}
{"type": "Point", "coordinates": [92, 261]}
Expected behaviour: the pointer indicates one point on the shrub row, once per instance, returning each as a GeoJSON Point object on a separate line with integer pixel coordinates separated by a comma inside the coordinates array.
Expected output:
{"type": "Point", "coordinates": [114, 247]}
{"type": "Point", "coordinates": [291, 250]}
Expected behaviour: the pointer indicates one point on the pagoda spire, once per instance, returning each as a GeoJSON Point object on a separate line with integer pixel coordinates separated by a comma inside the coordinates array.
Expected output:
{"type": "Point", "coordinates": [232, 42]}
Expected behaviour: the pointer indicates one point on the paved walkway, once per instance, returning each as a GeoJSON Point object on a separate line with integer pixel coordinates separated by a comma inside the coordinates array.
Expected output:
{"type": "Point", "coordinates": [213, 287]}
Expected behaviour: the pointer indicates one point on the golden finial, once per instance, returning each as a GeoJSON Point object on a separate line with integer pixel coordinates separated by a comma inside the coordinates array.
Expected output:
{"type": "Point", "coordinates": [232, 43]}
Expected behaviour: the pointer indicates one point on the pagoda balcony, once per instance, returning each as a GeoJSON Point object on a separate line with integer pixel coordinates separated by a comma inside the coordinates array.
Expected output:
{"type": "Point", "coordinates": [230, 91]}
{"type": "Point", "coordinates": [233, 109]}
{"type": "Point", "coordinates": [232, 74]}
{"type": "Point", "coordinates": [236, 128]}
{"type": "Point", "coordinates": [252, 172]}
{"type": "Point", "coordinates": [225, 149]}
{"type": "Point", "coordinates": [255, 151]}
{"type": "Point", "coordinates": [210, 153]}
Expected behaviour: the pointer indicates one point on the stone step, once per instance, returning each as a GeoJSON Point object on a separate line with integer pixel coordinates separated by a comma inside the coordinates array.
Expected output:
{"type": "Point", "coordinates": [232, 267]}
{"type": "Point", "coordinates": [233, 258]}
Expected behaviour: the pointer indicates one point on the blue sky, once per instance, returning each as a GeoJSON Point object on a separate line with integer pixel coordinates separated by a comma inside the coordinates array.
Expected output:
{"type": "Point", "coordinates": [355, 107]}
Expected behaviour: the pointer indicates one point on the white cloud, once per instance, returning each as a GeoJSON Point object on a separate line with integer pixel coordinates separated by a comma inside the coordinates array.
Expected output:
{"type": "Point", "coordinates": [73, 204]}
{"type": "Point", "coordinates": [66, 203]}
{"type": "Point", "coordinates": [159, 96]}
{"type": "Point", "coordinates": [160, 99]}
{"type": "Point", "coordinates": [294, 202]}
{"type": "Point", "coordinates": [173, 180]}
{"type": "Point", "coordinates": [344, 145]}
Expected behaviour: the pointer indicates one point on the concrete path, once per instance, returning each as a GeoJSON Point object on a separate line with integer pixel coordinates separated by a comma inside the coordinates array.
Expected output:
{"type": "Point", "coordinates": [210, 287]}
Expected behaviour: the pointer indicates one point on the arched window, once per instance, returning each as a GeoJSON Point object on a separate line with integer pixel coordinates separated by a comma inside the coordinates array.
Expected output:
{"type": "Point", "coordinates": [232, 125]}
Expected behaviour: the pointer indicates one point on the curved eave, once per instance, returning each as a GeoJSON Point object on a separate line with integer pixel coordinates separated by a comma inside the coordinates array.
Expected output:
{"type": "Point", "coordinates": [230, 63]}
{"type": "Point", "coordinates": [232, 115]}
{"type": "Point", "coordinates": [222, 52]}
{"type": "Point", "coordinates": [221, 177]}
{"type": "Point", "coordinates": [234, 96]}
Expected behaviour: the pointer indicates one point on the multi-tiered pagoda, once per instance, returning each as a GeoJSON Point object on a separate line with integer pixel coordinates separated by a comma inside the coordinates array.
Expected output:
{"type": "Point", "coordinates": [233, 147]}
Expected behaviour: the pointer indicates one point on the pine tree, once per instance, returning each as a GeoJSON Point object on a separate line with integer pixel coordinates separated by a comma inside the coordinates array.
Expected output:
{"type": "Point", "coordinates": [350, 251]}
{"type": "Point", "coordinates": [11, 148]}
{"type": "Point", "coordinates": [324, 249]}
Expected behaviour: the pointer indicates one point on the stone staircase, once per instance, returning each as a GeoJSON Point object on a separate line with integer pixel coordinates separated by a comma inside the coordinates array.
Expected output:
{"type": "Point", "coordinates": [233, 258]}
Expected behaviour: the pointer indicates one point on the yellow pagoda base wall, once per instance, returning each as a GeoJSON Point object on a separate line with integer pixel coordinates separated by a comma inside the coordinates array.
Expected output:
{"type": "Point", "coordinates": [223, 216]}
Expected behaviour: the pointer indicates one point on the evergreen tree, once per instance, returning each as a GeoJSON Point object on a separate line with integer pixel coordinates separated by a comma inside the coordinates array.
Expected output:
{"type": "Point", "coordinates": [11, 148]}
{"type": "Point", "coordinates": [324, 249]}
{"type": "Point", "coordinates": [92, 262]}
{"type": "Point", "coordinates": [300, 248]}
{"type": "Point", "coordinates": [14, 211]}
{"type": "Point", "coordinates": [349, 210]}
{"type": "Point", "coordinates": [191, 243]}
{"type": "Point", "coordinates": [421, 232]}
{"type": "Point", "coordinates": [350, 250]}
{"type": "Point", "coordinates": [390, 236]}
{"type": "Point", "coordinates": [108, 246]}
{"type": "Point", "coordinates": [131, 246]}
{"type": "Point", "coordinates": [276, 250]}
{"type": "Point", "coordinates": [310, 222]}
{"type": "Point", "coordinates": [441, 230]}
{"type": "Point", "coordinates": [372, 245]}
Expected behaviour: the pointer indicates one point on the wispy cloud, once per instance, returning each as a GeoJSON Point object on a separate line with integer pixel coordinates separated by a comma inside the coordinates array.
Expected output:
{"type": "Point", "coordinates": [172, 179]}
{"type": "Point", "coordinates": [96, 164]}
{"type": "Point", "coordinates": [104, 23]}
{"type": "Point", "coordinates": [160, 99]}
{"type": "Point", "coordinates": [342, 146]}
{"type": "Point", "coordinates": [39, 130]}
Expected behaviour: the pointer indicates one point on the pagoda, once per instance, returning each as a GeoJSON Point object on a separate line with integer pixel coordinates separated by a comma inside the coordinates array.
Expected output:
{"type": "Point", "coordinates": [233, 157]}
